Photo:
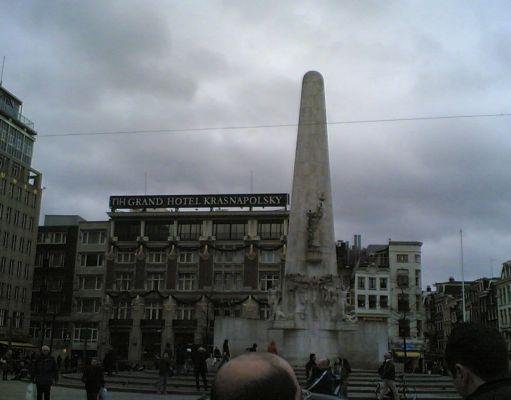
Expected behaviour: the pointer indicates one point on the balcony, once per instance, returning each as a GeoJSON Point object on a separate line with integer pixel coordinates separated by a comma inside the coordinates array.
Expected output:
{"type": "Point", "coordinates": [184, 324]}
{"type": "Point", "coordinates": [120, 324]}
{"type": "Point", "coordinates": [150, 324]}
{"type": "Point", "coordinates": [12, 113]}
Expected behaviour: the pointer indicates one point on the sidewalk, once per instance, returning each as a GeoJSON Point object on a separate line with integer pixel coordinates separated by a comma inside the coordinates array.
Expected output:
{"type": "Point", "coordinates": [15, 390]}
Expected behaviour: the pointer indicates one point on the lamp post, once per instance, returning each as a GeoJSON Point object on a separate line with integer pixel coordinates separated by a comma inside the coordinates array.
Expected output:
{"type": "Point", "coordinates": [403, 331]}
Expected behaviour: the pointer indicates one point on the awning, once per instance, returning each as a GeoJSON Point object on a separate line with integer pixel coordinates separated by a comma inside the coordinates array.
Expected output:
{"type": "Point", "coordinates": [409, 354]}
{"type": "Point", "coordinates": [23, 345]}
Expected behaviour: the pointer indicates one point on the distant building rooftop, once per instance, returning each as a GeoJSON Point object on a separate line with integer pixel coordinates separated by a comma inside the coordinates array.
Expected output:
{"type": "Point", "coordinates": [62, 220]}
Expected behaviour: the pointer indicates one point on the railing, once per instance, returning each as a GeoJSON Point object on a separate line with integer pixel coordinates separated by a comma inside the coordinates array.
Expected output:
{"type": "Point", "coordinates": [20, 117]}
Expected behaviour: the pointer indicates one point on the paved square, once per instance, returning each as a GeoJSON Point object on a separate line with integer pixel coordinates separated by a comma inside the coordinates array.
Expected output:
{"type": "Point", "coordinates": [15, 390]}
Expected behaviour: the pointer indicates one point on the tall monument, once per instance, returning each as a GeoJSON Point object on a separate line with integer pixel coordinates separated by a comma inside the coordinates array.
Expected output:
{"type": "Point", "coordinates": [312, 306]}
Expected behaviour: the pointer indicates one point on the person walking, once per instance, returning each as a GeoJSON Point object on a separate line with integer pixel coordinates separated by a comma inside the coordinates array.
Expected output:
{"type": "Point", "coordinates": [342, 369]}
{"type": "Point", "coordinates": [310, 365]}
{"type": "Point", "coordinates": [387, 372]}
{"type": "Point", "coordinates": [94, 379]}
{"type": "Point", "coordinates": [200, 366]}
{"type": "Point", "coordinates": [226, 353]}
{"type": "Point", "coordinates": [272, 348]}
{"type": "Point", "coordinates": [44, 373]}
{"type": "Point", "coordinates": [59, 362]}
{"type": "Point", "coordinates": [322, 379]}
{"type": "Point", "coordinates": [6, 364]}
{"type": "Point", "coordinates": [163, 373]}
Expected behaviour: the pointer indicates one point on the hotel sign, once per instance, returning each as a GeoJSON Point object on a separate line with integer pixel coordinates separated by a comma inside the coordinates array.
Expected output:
{"type": "Point", "coordinates": [200, 201]}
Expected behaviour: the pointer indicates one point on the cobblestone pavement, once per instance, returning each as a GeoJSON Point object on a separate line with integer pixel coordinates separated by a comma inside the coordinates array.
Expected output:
{"type": "Point", "coordinates": [15, 390]}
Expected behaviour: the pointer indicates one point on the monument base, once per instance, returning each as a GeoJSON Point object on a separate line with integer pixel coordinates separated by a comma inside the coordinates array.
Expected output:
{"type": "Point", "coordinates": [363, 343]}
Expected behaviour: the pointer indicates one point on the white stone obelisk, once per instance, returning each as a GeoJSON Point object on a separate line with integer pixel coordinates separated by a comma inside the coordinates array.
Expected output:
{"type": "Point", "coordinates": [311, 310]}
{"type": "Point", "coordinates": [311, 249]}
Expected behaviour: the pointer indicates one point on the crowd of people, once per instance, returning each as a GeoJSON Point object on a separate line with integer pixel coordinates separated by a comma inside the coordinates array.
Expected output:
{"type": "Point", "coordinates": [476, 357]}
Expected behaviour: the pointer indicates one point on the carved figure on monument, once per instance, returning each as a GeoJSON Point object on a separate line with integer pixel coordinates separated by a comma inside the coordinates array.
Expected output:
{"type": "Point", "coordinates": [274, 304]}
{"type": "Point", "coordinates": [313, 218]}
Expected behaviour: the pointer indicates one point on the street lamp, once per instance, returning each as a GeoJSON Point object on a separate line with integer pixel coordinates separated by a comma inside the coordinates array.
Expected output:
{"type": "Point", "coordinates": [403, 320]}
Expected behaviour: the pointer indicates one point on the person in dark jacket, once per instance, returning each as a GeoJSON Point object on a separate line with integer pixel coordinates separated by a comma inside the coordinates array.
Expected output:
{"type": "Point", "coordinates": [200, 367]}
{"type": "Point", "coordinates": [44, 373]}
{"type": "Point", "coordinates": [476, 357]}
{"type": "Point", "coordinates": [322, 379]}
{"type": "Point", "coordinates": [94, 379]}
{"type": "Point", "coordinates": [342, 369]}
{"type": "Point", "coordinates": [310, 365]}
{"type": "Point", "coordinates": [163, 373]}
{"type": "Point", "coordinates": [387, 372]}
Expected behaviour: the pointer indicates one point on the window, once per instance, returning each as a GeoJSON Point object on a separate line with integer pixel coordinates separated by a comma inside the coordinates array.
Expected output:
{"type": "Point", "coordinates": [372, 302]}
{"type": "Point", "coordinates": [402, 279]}
{"type": "Point", "coordinates": [123, 281]}
{"type": "Point", "coordinates": [228, 280]}
{"type": "Point", "coordinates": [17, 317]}
{"type": "Point", "coordinates": [93, 237]}
{"type": "Point", "coordinates": [384, 302]}
{"type": "Point", "coordinates": [264, 311]}
{"type": "Point", "coordinates": [417, 277]}
{"type": "Point", "coordinates": [92, 259]}
{"type": "Point", "coordinates": [16, 293]}
{"type": "Point", "coordinates": [125, 257]}
{"type": "Point", "coordinates": [3, 317]}
{"type": "Point", "coordinates": [157, 230]}
{"type": "Point", "coordinates": [90, 282]}
{"type": "Point", "coordinates": [153, 310]}
{"type": "Point", "coordinates": [418, 302]}
{"type": "Point", "coordinates": [383, 283]}
{"type": "Point", "coordinates": [361, 282]}
{"type": "Point", "coordinates": [127, 230]}
{"type": "Point", "coordinates": [419, 328]}
{"type": "Point", "coordinates": [185, 312]}
{"type": "Point", "coordinates": [402, 258]}
{"type": "Point", "coordinates": [270, 230]}
{"type": "Point", "coordinates": [417, 258]}
{"type": "Point", "coordinates": [123, 310]}
{"type": "Point", "coordinates": [187, 257]}
{"type": "Point", "coordinates": [156, 257]}
{"type": "Point", "coordinates": [24, 295]}
{"type": "Point", "coordinates": [268, 257]}
{"type": "Point", "coordinates": [372, 283]}
{"type": "Point", "coordinates": [186, 281]}
{"type": "Point", "coordinates": [269, 280]}
{"type": "Point", "coordinates": [154, 281]}
{"type": "Point", "coordinates": [361, 301]}
{"type": "Point", "coordinates": [86, 332]}
{"type": "Point", "coordinates": [229, 255]}
{"type": "Point", "coordinates": [227, 231]}
{"type": "Point", "coordinates": [190, 231]}
{"type": "Point", "coordinates": [52, 237]}
{"type": "Point", "coordinates": [88, 305]}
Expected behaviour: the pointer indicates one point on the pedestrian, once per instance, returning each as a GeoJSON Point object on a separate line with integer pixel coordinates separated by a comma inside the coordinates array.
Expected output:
{"type": "Point", "coordinates": [253, 348]}
{"type": "Point", "coordinates": [44, 373]}
{"type": "Point", "coordinates": [272, 348]}
{"type": "Point", "coordinates": [163, 373]}
{"type": "Point", "coordinates": [180, 359]}
{"type": "Point", "coordinates": [476, 357]}
{"type": "Point", "coordinates": [217, 355]}
{"type": "Point", "coordinates": [387, 372]}
{"type": "Point", "coordinates": [342, 369]}
{"type": "Point", "coordinates": [59, 362]}
{"type": "Point", "coordinates": [200, 367]}
{"type": "Point", "coordinates": [310, 365]}
{"type": "Point", "coordinates": [226, 353]}
{"type": "Point", "coordinates": [5, 365]}
{"type": "Point", "coordinates": [322, 379]}
{"type": "Point", "coordinates": [93, 378]}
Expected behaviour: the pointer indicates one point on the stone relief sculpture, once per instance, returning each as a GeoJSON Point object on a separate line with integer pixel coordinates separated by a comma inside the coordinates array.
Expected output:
{"type": "Point", "coordinates": [313, 218]}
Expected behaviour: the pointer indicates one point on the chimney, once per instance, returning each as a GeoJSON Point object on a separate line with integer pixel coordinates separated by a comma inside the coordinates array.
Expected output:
{"type": "Point", "coordinates": [451, 279]}
{"type": "Point", "coordinates": [428, 289]}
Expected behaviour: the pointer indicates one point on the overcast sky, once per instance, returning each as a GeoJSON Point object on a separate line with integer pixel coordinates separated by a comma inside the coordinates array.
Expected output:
{"type": "Point", "coordinates": [95, 66]}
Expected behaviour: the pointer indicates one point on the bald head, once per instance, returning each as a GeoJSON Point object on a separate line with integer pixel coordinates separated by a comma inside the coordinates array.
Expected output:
{"type": "Point", "coordinates": [256, 376]}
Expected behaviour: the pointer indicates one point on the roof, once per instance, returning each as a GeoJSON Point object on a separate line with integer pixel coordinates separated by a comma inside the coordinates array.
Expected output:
{"type": "Point", "coordinates": [401, 243]}
{"type": "Point", "coordinates": [374, 248]}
